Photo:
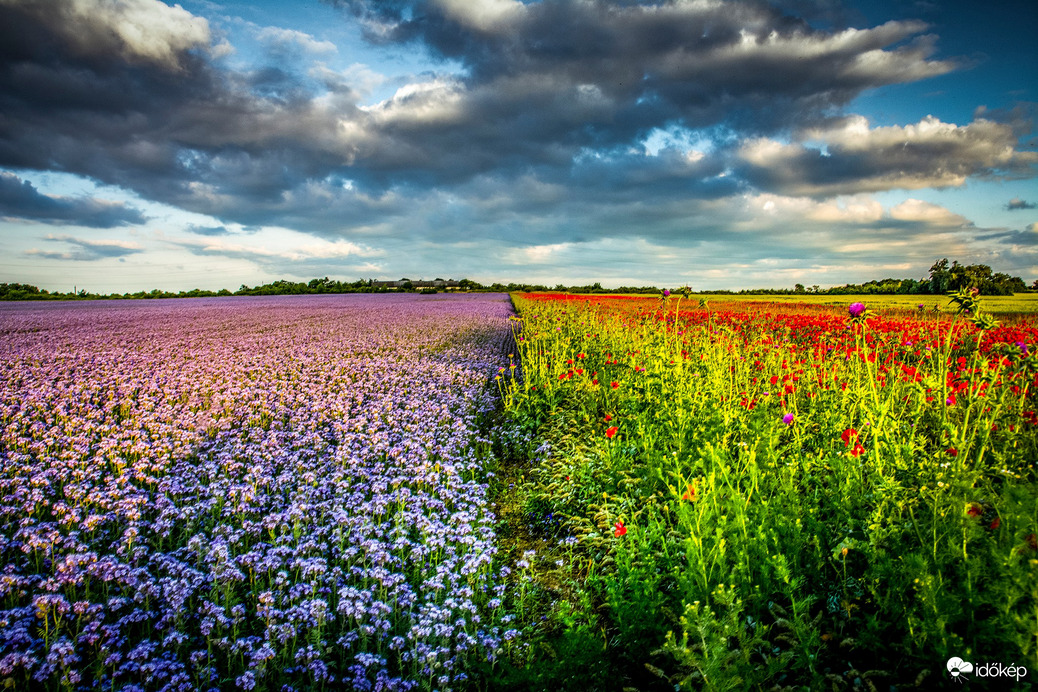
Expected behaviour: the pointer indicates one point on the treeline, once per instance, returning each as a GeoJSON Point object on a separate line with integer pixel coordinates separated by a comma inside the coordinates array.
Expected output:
{"type": "Point", "coordinates": [16, 291]}
{"type": "Point", "coordinates": [942, 278]}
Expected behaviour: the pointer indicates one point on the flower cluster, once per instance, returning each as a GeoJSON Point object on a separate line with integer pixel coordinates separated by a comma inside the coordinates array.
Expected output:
{"type": "Point", "coordinates": [281, 492]}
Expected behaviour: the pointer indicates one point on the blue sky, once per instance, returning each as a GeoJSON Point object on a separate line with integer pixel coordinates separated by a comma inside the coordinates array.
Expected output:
{"type": "Point", "coordinates": [718, 144]}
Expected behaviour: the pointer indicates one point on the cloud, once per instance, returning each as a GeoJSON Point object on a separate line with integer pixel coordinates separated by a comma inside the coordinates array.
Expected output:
{"type": "Point", "coordinates": [207, 230]}
{"type": "Point", "coordinates": [19, 199]}
{"type": "Point", "coordinates": [1017, 203]}
{"type": "Point", "coordinates": [858, 158]}
{"type": "Point", "coordinates": [133, 30]}
{"type": "Point", "coordinates": [301, 250]}
{"type": "Point", "coordinates": [86, 250]}
{"type": "Point", "coordinates": [284, 42]}
{"type": "Point", "coordinates": [531, 131]}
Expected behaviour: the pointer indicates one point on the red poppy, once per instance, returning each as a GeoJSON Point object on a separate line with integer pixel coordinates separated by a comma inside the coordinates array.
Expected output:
{"type": "Point", "coordinates": [608, 417]}
{"type": "Point", "coordinates": [620, 529]}
{"type": "Point", "coordinates": [690, 493]}
{"type": "Point", "coordinates": [847, 435]}
{"type": "Point", "coordinates": [858, 450]}
{"type": "Point", "coordinates": [610, 431]}
{"type": "Point", "coordinates": [614, 385]}
{"type": "Point", "coordinates": [995, 523]}
{"type": "Point", "coordinates": [974, 510]}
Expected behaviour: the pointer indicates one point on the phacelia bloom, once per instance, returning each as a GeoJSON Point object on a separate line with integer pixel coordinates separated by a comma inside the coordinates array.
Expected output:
{"type": "Point", "coordinates": [788, 419]}
{"type": "Point", "coordinates": [619, 529]}
{"type": "Point", "coordinates": [611, 431]}
{"type": "Point", "coordinates": [856, 309]}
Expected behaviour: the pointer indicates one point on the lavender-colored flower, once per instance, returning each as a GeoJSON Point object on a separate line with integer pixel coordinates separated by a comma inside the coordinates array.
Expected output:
{"type": "Point", "coordinates": [222, 469]}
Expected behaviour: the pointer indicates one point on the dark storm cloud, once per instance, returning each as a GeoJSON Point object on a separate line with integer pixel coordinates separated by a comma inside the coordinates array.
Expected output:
{"type": "Point", "coordinates": [19, 199]}
{"type": "Point", "coordinates": [555, 95]}
{"type": "Point", "coordinates": [152, 113]}
{"type": "Point", "coordinates": [654, 63]}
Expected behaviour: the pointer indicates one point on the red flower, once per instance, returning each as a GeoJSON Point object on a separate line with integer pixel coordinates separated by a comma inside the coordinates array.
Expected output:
{"type": "Point", "coordinates": [614, 385]}
{"type": "Point", "coordinates": [620, 529]}
{"type": "Point", "coordinates": [974, 510]}
{"type": "Point", "coordinates": [690, 493]}
{"type": "Point", "coordinates": [847, 435]}
{"type": "Point", "coordinates": [952, 452]}
{"type": "Point", "coordinates": [995, 523]}
{"type": "Point", "coordinates": [608, 417]}
{"type": "Point", "coordinates": [610, 431]}
{"type": "Point", "coordinates": [858, 450]}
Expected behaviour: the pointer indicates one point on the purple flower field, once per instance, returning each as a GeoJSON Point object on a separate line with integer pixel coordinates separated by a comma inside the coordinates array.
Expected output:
{"type": "Point", "coordinates": [248, 493]}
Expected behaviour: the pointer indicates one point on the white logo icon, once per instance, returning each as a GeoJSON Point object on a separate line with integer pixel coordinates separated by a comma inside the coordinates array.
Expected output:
{"type": "Point", "coordinates": [957, 667]}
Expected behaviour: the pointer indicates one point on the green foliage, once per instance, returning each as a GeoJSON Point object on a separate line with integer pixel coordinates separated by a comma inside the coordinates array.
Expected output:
{"type": "Point", "coordinates": [885, 527]}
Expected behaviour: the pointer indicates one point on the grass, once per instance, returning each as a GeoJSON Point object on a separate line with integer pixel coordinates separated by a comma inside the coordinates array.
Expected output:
{"type": "Point", "coordinates": [728, 497]}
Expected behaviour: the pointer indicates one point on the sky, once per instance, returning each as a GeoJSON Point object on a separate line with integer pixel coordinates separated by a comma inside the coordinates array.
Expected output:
{"type": "Point", "coordinates": [721, 144]}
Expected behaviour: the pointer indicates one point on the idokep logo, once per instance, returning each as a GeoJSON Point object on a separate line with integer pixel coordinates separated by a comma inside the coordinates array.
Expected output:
{"type": "Point", "coordinates": [958, 669]}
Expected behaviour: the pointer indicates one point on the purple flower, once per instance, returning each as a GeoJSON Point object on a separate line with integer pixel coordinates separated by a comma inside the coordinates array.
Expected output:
{"type": "Point", "coordinates": [666, 292]}
{"type": "Point", "coordinates": [856, 309]}
{"type": "Point", "coordinates": [788, 419]}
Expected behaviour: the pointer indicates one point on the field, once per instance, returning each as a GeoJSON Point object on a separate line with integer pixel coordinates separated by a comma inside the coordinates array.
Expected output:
{"type": "Point", "coordinates": [745, 495]}
{"type": "Point", "coordinates": [400, 492]}
{"type": "Point", "coordinates": [1024, 305]}
{"type": "Point", "coordinates": [282, 493]}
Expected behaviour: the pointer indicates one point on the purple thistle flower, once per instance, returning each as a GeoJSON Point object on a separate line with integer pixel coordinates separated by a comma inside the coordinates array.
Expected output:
{"type": "Point", "coordinates": [788, 419]}
{"type": "Point", "coordinates": [856, 309]}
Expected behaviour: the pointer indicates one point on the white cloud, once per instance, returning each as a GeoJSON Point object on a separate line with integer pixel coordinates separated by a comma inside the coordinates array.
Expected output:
{"type": "Point", "coordinates": [931, 214]}
{"type": "Point", "coordinates": [482, 15]}
{"type": "Point", "coordinates": [859, 159]}
{"type": "Point", "coordinates": [282, 39]}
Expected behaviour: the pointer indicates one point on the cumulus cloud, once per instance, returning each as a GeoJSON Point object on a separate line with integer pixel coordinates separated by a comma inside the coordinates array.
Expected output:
{"type": "Point", "coordinates": [533, 131]}
{"type": "Point", "coordinates": [134, 30]}
{"type": "Point", "coordinates": [86, 250]}
{"type": "Point", "coordinates": [19, 199]}
{"type": "Point", "coordinates": [859, 158]}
